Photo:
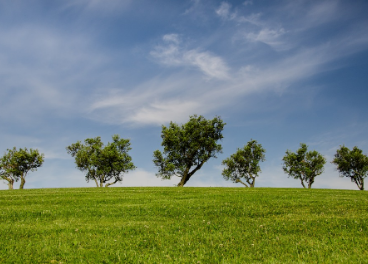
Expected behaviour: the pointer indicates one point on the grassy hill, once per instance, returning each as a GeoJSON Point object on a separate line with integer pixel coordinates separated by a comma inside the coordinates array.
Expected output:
{"type": "Point", "coordinates": [183, 225]}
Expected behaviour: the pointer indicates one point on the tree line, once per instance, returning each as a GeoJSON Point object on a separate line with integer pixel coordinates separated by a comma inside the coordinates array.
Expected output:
{"type": "Point", "coordinates": [186, 148]}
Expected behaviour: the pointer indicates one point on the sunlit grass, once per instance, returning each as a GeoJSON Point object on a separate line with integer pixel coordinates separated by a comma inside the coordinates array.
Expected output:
{"type": "Point", "coordinates": [183, 225]}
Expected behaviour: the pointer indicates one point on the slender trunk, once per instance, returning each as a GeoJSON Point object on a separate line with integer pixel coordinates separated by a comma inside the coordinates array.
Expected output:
{"type": "Point", "coordinates": [102, 180]}
{"type": "Point", "coordinates": [188, 174]}
{"type": "Point", "coordinates": [301, 180]}
{"type": "Point", "coordinates": [253, 182]}
{"type": "Point", "coordinates": [310, 184]}
{"type": "Point", "coordinates": [10, 184]}
{"type": "Point", "coordinates": [361, 187]}
{"type": "Point", "coordinates": [96, 182]}
{"type": "Point", "coordinates": [184, 178]}
{"type": "Point", "coordinates": [108, 184]}
{"type": "Point", "coordinates": [238, 180]}
{"type": "Point", "coordinates": [359, 182]}
{"type": "Point", "coordinates": [22, 182]}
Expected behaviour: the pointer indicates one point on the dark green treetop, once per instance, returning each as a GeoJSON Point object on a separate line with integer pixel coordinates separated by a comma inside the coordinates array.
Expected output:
{"type": "Point", "coordinates": [102, 163]}
{"type": "Point", "coordinates": [187, 147]}
{"type": "Point", "coordinates": [352, 164]}
{"type": "Point", "coordinates": [244, 164]}
{"type": "Point", "coordinates": [303, 165]}
{"type": "Point", "coordinates": [15, 164]}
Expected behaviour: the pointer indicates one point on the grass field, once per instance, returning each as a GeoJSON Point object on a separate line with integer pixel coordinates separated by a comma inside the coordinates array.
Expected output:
{"type": "Point", "coordinates": [183, 225]}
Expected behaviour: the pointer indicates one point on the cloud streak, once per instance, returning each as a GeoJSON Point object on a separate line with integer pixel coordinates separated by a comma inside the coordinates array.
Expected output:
{"type": "Point", "coordinates": [172, 54]}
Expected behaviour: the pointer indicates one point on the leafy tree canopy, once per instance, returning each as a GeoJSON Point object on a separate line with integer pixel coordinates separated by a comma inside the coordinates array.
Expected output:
{"type": "Point", "coordinates": [244, 164]}
{"type": "Point", "coordinates": [102, 163]}
{"type": "Point", "coordinates": [15, 164]}
{"type": "Point", "coordinates": [187, 147]}
{"type": "Point", "coordinates": [353, 164]}
{"type": "Point", "coordinates": [304, 165]}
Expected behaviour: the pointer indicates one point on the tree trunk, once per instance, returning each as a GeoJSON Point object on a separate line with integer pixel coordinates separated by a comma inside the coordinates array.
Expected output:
{"type": "Point", "coordinates": [96, 182]}
{"type": "Point", "coordinates": [102, 181]}
{"type": "Point", "coordinates": [10, 184]}
{"type": "Point", "coordinates": [183, 181]}
{"type": "Point", "coordinates": [238, 180]}
{"type": "Point", "coordinates": [301, 180]}
{"type": "Point", "coordinates": [253, 183]}
{"type": "Point", "coordinates": [311, 181]}
{"type": "Point", "coordinates": [108, 184]}
{"type": "Point", "coordinates": [22, 182]}
{"type": "Point", "coordinates": [185, 178]}
{"type": "Point", "coordinates": [362, 185]}
{"type": "Point", "coordinates": [188, 174]}
{"type": "Point", "coordinates": [359, 182]}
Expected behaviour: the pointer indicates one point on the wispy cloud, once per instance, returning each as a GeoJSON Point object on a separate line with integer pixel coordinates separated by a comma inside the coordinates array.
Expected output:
{"type": "Point", "coordinates": [156, 101]}
{"type": "Point", "coordinates": [269, 37]}
{"type": "Point", "coordinates": [224, 10]}
{"type": "Point", "coordinates": [172, 54]}
{"type": "Point", "coordinates": [42, 68]}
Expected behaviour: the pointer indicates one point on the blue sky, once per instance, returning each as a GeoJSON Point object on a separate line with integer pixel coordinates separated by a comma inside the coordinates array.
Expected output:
{"type": "Point", "coordinates": [280, 72]}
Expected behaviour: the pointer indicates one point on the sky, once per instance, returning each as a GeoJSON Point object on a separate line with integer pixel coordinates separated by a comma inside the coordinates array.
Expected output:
{"type": "Point", "coordinates": [280, 72]}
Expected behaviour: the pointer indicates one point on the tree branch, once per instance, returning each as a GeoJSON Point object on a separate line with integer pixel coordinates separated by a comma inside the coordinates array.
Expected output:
{"type": "Point", "coordinates": [238, 180]}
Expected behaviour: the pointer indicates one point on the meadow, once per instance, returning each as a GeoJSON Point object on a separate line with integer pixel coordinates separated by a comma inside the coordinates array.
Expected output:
{"type": "Point", "coordinates": [183, 225]}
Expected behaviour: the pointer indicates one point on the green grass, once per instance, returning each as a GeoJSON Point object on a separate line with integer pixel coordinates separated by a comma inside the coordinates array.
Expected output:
{"type": "Point", "coordinates": [183, 225]}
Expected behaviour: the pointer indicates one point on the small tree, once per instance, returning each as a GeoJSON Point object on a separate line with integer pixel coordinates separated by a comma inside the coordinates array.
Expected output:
{"type": "Point", "coordinates": [188, 147]}
{"type": "Point", "coordinates": [352, 164]}
{"type": "Point", "coordinates": [15, 165]}
{"type": "Point", "coordinates": [303, 165]}
{"type": "Point", "coordinates": [102, 163]}
{"type": "Point", "coordinates": [244, 164]}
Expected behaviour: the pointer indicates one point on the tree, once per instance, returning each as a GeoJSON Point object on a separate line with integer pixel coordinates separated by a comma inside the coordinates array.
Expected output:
{"type": "Point", "coordinates": [187, 147]}
{"type": "Point", "coordinates": [15, 165]}
{"type": "Point", "coordinates": [303, 165]}
{"type": "Point", "coordinates": [102, 163]}
{"type": "Point", "coordinates": [352, 164]}
{"type": "Point", "coordinates": [244, 164]}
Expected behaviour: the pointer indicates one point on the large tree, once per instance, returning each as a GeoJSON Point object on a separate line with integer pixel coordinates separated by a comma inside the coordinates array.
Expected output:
{"type": "Point", "coordinates": [352, 164]}
{"type": "Point", "coordinates": [102, 163]}
{"type": "Point", "coordinates": [244, 164]}
{"type": "Point", "coordinates": [187, 147]}
{"type": "Point", "coordinates": [303, 165]}
{"type": "Point", "coordinates": [15, 164]}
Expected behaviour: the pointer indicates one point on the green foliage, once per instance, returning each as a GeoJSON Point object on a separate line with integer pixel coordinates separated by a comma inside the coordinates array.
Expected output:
{"type": "Point", "coordinates": [244, 164]}
{"type": "Point", "coordinates": [353, 164]}
{"type": "Point", "coordinates": [303, 165]}
{"type": "Point", "coordinates": [15, 164]}
{"type": "Point", "coordinates": [188, 147]}
{"type": "Point", "coordinates": [183, 225]}
{"type": "Point", "coordinates": [102, 163]}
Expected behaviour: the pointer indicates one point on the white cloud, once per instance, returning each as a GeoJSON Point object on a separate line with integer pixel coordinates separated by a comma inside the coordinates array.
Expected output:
{"type": "Point", "coordinates": [143, 178]}
{"type": "Point", "coordinates": [41, 68]}
{"type": "Point", "coordinates": [269, 37]}
{"type": "Point", "coordinates": [161, 112]}
{"type": "Point", "coordinates": [173, 54]}
{"type": "Point", "coordinates": [156, 102]}
{"type": "Point", "coordinates": [248, 2]}
{"type": "Point", "coordinates": [224, 10]}
{"type": "Point", "coordinates": [171, 38]}
{"type": "Point", "coordinates": [211, 65]}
